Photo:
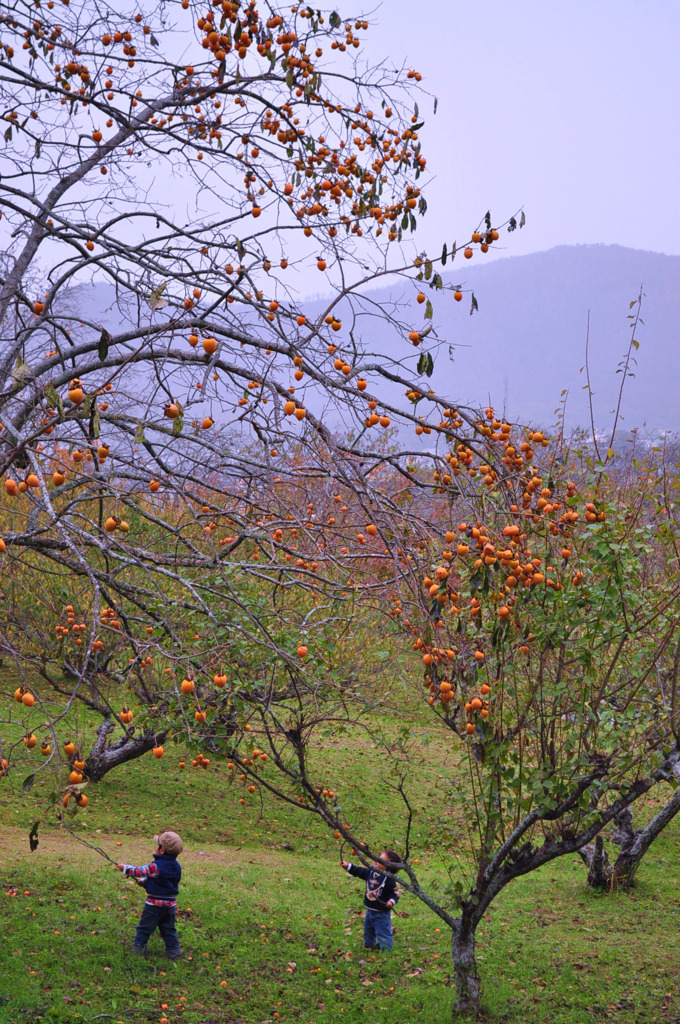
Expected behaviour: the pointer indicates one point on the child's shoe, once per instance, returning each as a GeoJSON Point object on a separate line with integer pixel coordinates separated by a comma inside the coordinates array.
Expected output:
{"type": "Point", "coordinates": [139, 950]}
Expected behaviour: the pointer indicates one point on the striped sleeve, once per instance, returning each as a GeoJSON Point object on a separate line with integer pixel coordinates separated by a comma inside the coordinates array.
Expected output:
{"type": "Point", "coordinates": [145, 871]}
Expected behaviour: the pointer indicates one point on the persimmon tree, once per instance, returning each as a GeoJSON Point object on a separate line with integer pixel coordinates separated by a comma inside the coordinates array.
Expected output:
{"type": "Point", "coordinates": [166, 178]}
{"type": "Point", "coordinates": [540, 628]}
{"type": "Point", "coordinates": [651, 475]}
{"type": "Point", "coordinates": [199, 492]}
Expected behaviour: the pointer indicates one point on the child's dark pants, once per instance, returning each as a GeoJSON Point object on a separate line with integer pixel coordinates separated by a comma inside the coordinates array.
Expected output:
{"type": "Point", "coordinates": [377, 930]}
{"type": "Point", "coordinates": [162, 918]}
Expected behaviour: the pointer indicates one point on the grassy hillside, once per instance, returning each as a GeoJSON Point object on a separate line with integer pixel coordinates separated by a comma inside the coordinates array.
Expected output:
{"type": "Point", "coordinates": [271, 926]}
{"type": "Point", "coordinates": [279, 933]}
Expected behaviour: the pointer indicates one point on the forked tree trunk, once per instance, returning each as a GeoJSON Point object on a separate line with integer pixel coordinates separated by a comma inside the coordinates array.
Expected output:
{"type": "Point", "coordinates": [628, 861]}
{"type": "Point", "coordinates": [633, 845]}
{"type": "Point", "coordinates": [105, 757]}
{"type": "Point", "coordinates": [464, 966]}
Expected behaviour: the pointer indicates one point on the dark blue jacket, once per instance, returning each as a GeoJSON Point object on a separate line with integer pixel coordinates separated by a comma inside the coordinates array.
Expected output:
{"type": "Point", "coordinates": [380, 888]}
{"type": "Point", "coordinates": [164, 885]}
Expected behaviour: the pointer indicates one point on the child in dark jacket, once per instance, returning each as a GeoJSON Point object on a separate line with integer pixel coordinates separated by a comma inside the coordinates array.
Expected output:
{"type": "Point", "coordinates": [160, 878]}
{"type": "Point", "coordinates": [379, 898]}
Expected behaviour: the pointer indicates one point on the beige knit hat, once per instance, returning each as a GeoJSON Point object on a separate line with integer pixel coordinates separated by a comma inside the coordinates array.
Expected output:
{"type": "Point", "coordinates": [170, 842]}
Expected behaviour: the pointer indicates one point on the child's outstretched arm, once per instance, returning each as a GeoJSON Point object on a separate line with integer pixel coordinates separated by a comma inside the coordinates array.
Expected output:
{"type": "Point", "coordinates": [355, 869]}
{"type": "Point", "coordinates": [139, 873]}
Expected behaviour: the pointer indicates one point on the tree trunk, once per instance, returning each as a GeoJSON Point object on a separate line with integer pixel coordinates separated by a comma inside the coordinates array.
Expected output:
{"type": "Point", "coordinates": [599, 868]}
{"type": "Point", "coordinates": [465, 966]}
{"type": "Point", "coordinates": [104, 757]}
{"type": "Point", "coordinates": [633, 844]}
{"type": "Point", "coordinates": [628, 861]}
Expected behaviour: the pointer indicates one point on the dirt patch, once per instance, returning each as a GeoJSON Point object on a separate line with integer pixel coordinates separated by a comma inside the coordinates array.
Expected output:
{"type": "Point", "coordinates": [57, 844]}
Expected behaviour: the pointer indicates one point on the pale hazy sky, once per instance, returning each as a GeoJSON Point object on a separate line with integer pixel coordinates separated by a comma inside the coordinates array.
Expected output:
{"type": "Point", "coordinates": [570, 109]}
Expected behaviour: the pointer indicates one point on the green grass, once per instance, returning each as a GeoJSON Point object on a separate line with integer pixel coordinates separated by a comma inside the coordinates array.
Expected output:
{"type": "Point", "coordinates": [266, 910]}
{"type": "Point", "coordinates": [283, 931]}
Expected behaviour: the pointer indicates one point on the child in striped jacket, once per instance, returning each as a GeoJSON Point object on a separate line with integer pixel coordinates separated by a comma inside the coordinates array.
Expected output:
{"type": "Point", "coordinates": [161, 879]}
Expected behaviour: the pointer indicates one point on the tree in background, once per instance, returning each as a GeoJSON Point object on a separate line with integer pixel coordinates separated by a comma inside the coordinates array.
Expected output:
{"type": "Point", "coordinates": [183, 166]}
{"type": "Point", "coordinates": [540, 627]}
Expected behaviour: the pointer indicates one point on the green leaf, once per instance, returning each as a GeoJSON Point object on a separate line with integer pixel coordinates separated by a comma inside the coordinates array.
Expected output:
{"type": "Point", "coordinates": [156, 300]}
{"type": "Point", "coordinates": [27, 783]}
{"type": "Point", "coordinates": [429, 369]}
{"type": "Point", "coordinates": [177, 425]}
{"type": "Point", "coordinates": [428, 310]}
{"type": "Point", "coordinates": [474, 305]}
{"type": "Point", "coordinates": [444, 255]}
{"type": "Point", "coordinates": [335, 19]}
{"type": "Point", "coordinates": [33, 837]}
{"type": "Point", "coordinates": [21, 370]}
{"type": "Point", "coordinates": [105, 340]}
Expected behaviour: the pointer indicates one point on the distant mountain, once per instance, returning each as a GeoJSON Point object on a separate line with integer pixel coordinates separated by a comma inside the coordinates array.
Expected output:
{"type": "Point", "coordinates": [527, 341]}
{"type": "Point", "coordinates": [526, 344]}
